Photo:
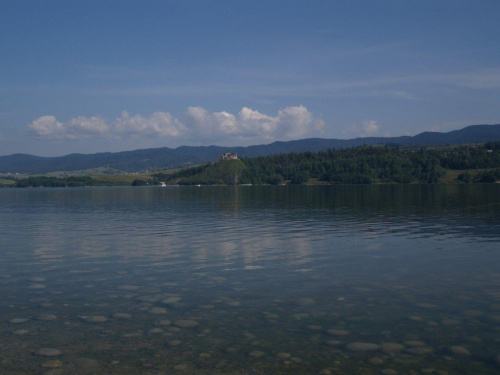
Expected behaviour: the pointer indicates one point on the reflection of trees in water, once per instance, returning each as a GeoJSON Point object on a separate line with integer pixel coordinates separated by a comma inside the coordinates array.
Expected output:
{"type": "Point", "coordinates": [126, 224]}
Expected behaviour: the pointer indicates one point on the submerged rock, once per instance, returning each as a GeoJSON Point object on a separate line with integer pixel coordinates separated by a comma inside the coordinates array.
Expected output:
{"type": "Point", "coordinates": [18, 320]}
{"type": "Point", "coordinates": [420, 350]}
{"type": "Point", "coordinates": [362, 346]}
{"type": "Point", "coordinates": [174, 343]}
{"type": "Point", "coordinates": [86, 364]}
{"type": "Point", "coordinates": [313, 327]}
{"type": "Point", "coordinates": [122, 316]}
{"type": "Point", "coordinates": [94, 319]}
{"type": "Point", "coordinates": [305, 301]}
{"type": "Point", "coordinates": [338, 332]}
{"type": "Point", "coordinates": [181, 367]}
{"type": "Point", "coordinates": [283, 355]}
{"type": "Point", "coordinates": [47, 317]}
{"type": "Point", "coordinates": [256, 354]}
{"type": "Point", "coordinates": [37, 279]}
{"type": "Point", "coordinates": [376, 361]}
{"type": "Point", "coordinates": [155, 330]}
{"type": "Point", "coordinates": [459, 350]}
{"type": "Point", "coordinates": [171, 300]}
{"type": "Point", "coordinates": [47, 352]}
{"type": "Point", "coordinates": [333, 342]}
{"type": "Point", "coordinates": [186, 323]}
{"type": "Point", "coordinates": [37, 286]}
{"type": "Point", "coordinates": [21, 332]}
{"type": "Point", "coordinates": [391, 347]}
{"type": "Point", "coordinates": [450, 322]}
{"type": "Point", "coordinates": [55, 371]}
{"type": "Point", "coordinates": [389, 371]}
{"type": "Point", "coordinates": [157, 310]}
{"type": "Point", "coordinates": [53, 363]}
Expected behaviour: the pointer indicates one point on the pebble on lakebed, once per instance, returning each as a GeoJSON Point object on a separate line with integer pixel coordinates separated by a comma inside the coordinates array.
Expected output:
{"type": "Point", "coordinates": [305, 301]}
{"type": "Point", "coordinates": [122, 316]}
{"type": "Point", "coordinates": [256, 354]}
{"type": "Point", "coordinates": [21, 332]}
{"type": "Point", "coordinates": [362, 346]}
{"type": "Point", "coordinates": [391, 347]}
{"type": "Point", "coordinates": [47, 352]}
{"type": "Point", "coordinates": [94, 319]}
{"type": "Point", "coordinates": [53, 363]}
{"type": "Point", "coordinates": [283, 355]}
{"type": "Point", "coordinates": [174, 343]}
{"type": "Point", "coordinates": [46, 317]}
{"type": "Point", "coordinates": [459, 350]}
{"type": "Point", "coordinates": [338, 332]}
{"type": "Point", "coordinates": [186, 323]}
{"type": "Point", "coordinates": [18, 320]}
{"type": "Point", "coordinates": [37, 286]}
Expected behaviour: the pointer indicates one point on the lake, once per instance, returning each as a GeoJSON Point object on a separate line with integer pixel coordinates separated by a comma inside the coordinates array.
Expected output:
{"type": "Point", "coordinates": [251, 280]}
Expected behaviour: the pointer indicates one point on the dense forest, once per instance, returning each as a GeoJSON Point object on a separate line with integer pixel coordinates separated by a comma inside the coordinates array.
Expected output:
{"type": "Point", "coordinates": [358, 165]}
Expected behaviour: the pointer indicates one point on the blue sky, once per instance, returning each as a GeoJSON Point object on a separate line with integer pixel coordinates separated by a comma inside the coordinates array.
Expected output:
{"type": "Point", "coordinates": [91, 76]}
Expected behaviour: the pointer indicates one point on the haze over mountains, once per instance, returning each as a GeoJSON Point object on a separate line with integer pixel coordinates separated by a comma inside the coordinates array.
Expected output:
{"type": "Point", "coordinates": [164, 158]}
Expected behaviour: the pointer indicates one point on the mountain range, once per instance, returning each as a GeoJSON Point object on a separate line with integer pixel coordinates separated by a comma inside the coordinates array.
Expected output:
{"type": "Point", "coordinates": [166, 158]}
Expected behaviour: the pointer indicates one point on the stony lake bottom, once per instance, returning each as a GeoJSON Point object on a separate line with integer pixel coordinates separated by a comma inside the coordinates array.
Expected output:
{"type": "Point", "coordinates": [251, 280]}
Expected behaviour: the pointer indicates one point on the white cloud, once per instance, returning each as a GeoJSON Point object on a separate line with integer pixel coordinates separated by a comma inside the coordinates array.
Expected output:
{"type": "Point", "coordinates": [159, 124]}
{"type": "Point", "coordinates": [198, 126]}
{"type": "Point", "coordinates": [217, 123]}
{"type": "Point", "coordinates": [92, 125]}
{"type": "Point", "coordinates": [252, 125]}
{"type": "Point", "coordinates": [257, 123]}
{"type": "Point", "coordinates": [368, 128]}
{"type": "Point", "coordinates": [298, 122]}
{"type": "Point", "coordinates": [47, 127]}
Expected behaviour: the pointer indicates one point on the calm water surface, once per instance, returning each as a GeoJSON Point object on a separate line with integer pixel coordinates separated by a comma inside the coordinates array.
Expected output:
{"type": "Point", "coordinates": [250, 280]}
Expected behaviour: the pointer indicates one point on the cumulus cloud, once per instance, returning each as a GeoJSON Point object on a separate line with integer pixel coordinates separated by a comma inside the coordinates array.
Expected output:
{"type": "Point", "coordinates": [368, 128]}
{"type": "Point", "coordinates": [90, 125]}
{"type": "Point", "coordinates": [200, 120]}
{"type": "Point", "coordinates": [47, 127]}
{"type": "Point", "coordinates": [290, 123]}
{"type": "Point", "coordinates": [159, 124]}
{"type": "Point", "coordinates": [198, 125]}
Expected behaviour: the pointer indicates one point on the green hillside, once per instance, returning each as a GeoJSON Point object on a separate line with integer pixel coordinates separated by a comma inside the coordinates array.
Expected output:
{"type": "Point", "coordinates": [358, 165]}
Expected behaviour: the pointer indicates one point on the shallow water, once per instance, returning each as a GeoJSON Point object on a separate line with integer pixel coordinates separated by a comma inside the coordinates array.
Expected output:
{"type": "Point", "coordinates": [251, 280]}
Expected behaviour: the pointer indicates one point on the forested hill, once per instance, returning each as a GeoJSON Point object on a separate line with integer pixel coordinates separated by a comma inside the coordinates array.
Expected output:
{"type": "Point", "coordinates": [163, 158]}
{"type": "Point", "coordinates": [357, 165]}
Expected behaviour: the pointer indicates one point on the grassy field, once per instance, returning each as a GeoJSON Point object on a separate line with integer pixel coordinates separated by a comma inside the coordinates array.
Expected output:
{"type": "Point", "coordinates": [6, 183]}
{"type": "Point", "coordinates": [127, 179]}
{"type": "Point", "coordinates": [451, 176]}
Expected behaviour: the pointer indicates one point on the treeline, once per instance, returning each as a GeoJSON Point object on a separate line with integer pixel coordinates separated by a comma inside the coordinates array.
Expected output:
{"type": "Point", "coordinates": [358, 165]}
{"type": "Point", "coordinates": [370, 164]}
{"type": "Point", "coordinates": [43, 181]}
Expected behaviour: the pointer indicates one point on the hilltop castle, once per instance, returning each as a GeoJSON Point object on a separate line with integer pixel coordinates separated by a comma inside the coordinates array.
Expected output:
{"type": "Point", "coordinates": [227, 156]}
